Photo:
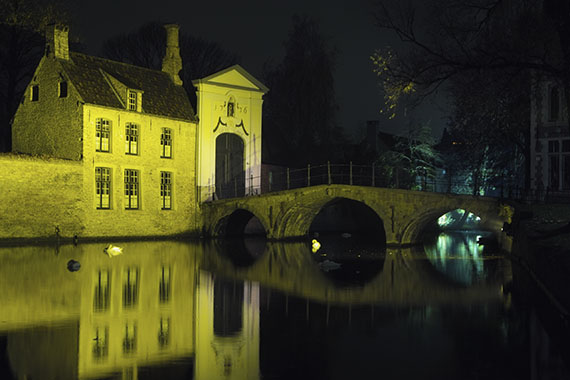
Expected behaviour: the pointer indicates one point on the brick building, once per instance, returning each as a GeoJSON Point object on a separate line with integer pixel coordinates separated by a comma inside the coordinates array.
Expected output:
{"type": "Point", "coordinates": [138, 141]}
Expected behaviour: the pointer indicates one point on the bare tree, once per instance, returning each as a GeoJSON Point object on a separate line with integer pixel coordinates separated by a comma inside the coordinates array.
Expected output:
{"type": "Point", "coordinates": [483, 52]}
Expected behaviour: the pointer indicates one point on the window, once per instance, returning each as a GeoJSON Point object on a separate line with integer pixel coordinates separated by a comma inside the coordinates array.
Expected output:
{"type": "Point", "coordinates": [554, 104]}
{"type": "Point", "coordinates": [132, 101]}
{"type": "Point", "coordinates": [35, 93]}
{"type": "Point", "coordinates": [131, 138]}
{"type": "Point", "coordinates": [166, 190]}
{"type": "Point", "coordinates": [101, 342]}
{"type": "Point", "coordinates": [130, 287]}
{"type": "Point", "coordinates": [164, 285]}
{"type": "Point", "coordinates": [164, 332]}
{"type": "Point", "coordinates": [103, 188]}
{"type": "Point", "coordinates": [231, 108]}
{"type": "Point", "coordinates": [553, 164]}
{"type": "Point", "coordinates": [166, 143]}
{"type": "Point", "coordinates": [101, 293]}
{"type": "Point", "coordinates": [131, 189]}
{"type": "Point", "coordinates": [130, 339]}
{"type": "Point", "coordinates": [62, 89]}
{"type": "Point", "coordinates": [102, 135]}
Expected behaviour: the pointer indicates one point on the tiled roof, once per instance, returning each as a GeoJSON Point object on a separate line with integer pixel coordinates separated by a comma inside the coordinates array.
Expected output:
{"type": "Point", "coordinates": [160, 95]}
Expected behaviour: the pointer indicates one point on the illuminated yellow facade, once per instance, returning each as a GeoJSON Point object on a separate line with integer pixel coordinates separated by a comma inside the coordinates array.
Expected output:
{"type": "Point", "coordinates": [229, 102]}
{"type": "Point", "coordinates": [146, 160]}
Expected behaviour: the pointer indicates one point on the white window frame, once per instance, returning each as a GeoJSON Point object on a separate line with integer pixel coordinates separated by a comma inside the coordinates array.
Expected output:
{"type": "Point", "coordinates": [166, 143]}
{"type": "Point", "coordinates": [103, 188]}
{"type": "Point", "coordinates": [132, 189]}
{"type": "Point", "coordinates": [166, 190]}
{"type": "Point", "coordinates": [132, 139]}
{"type": "Point", "coordinates": [103, 135]}
{"type": "Point", "coordinates": [132, 100]}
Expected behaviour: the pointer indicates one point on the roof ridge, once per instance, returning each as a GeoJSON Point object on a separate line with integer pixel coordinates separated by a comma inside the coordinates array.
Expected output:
{"type": "Point", "coordinates": [117, 62]}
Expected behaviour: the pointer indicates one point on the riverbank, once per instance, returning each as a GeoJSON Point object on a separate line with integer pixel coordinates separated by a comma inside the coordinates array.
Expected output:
{"type": "Point", "coordinates": [541, 244]}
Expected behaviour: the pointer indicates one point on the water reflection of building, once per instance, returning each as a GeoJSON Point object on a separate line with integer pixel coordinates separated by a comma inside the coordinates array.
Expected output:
{"type": "Point", "coordinates": [136, 309]}
{"type": "Point", "coordinates": [111, 317]}
{"type": "Point", "coordinates": [227, 329]}
{"type": "Point", "coordinates": [124, 316]}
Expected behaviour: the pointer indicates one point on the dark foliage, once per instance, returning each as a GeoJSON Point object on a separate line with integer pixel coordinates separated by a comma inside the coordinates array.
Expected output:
{"type": "Point", "coordinates": [22, 41]}
{"type": "Point", "coordinates": [146, 46]}
{"type": "Point", "coordinates": [300, 114]}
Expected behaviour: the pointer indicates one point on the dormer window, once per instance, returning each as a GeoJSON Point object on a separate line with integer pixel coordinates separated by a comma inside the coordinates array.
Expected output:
{"type": "Point", "coordinates": [35, 93]}
{"type": "Point", "coordinates": [132, 101]}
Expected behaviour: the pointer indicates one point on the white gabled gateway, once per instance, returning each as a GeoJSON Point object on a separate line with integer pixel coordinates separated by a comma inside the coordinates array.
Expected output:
{"type": "Point", "coordinates": [229, 134]}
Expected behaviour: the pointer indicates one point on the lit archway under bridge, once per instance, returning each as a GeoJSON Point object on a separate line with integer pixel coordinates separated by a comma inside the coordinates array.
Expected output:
{"type": "Point", "coordinates": [404, 213]}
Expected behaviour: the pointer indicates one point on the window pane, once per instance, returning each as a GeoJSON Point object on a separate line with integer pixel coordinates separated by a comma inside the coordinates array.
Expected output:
{"type": "Point", "coordinates": [166, 142]}
{"type": "Point", "coordinates": [102, 135]}
{"type": "Point", "coordinates": [103, 188]}
{"type": "Point", "coordinates": [166, 190]}
{"type": "Point", "coordinates": [553, 146]}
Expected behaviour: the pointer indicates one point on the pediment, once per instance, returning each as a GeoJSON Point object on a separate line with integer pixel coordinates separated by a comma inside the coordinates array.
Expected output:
{"type": "Point", "coordinates": [234, 76]}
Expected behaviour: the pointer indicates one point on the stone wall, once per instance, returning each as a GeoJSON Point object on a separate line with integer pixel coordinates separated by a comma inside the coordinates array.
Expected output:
{"type": "Point", "coordinates": [43, 198]}
{"type": "Point", "coordinates": [38, 195]}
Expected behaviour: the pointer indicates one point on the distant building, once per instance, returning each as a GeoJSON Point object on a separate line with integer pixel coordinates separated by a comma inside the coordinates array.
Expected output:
{"type": "Point", "coordinates": [146, 160]}
{"type": "Point", "coordinates": [549, 137]}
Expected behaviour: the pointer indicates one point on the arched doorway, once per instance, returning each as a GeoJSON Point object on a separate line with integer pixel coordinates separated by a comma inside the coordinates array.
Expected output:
{"type": "Point", "coordinates": [230, 174]}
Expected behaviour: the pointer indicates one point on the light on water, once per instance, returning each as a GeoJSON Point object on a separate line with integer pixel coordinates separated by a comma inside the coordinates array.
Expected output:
{"type": "Point", "coordinates": [182, 310]}
{"type": "Point", "coordinates": [458, 256]}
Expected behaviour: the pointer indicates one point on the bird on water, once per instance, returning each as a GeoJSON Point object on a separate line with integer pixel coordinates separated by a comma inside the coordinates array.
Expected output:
{"type": "Point", "coordinates": [112, 250]}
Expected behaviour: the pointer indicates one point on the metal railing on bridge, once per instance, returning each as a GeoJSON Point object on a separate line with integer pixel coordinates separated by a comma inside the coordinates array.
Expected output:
{"type": "Point", "coordinates": [282, 178]}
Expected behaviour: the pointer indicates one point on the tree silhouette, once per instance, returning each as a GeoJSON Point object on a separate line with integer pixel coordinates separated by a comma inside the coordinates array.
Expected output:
{"type": "Point", "coordinates": [145, 47]}
{"type": "Point", "coordinates": [486, 52]}
{"type": "Point", "coordinates": [300, 114]}
{"type": "Point", "coordinates": [22, 42]}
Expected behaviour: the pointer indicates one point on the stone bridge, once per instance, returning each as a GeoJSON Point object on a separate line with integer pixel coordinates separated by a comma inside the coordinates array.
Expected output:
{"type": "Point", "coordinates": [402, 214]}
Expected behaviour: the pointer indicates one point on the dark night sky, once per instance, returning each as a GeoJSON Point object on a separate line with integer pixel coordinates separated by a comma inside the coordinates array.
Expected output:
{"type": "Point", "coordinates": [256, 29]}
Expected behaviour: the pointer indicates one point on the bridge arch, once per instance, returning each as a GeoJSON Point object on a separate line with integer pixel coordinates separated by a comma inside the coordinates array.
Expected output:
{"type": "Point", "coordinates": [334, 214]}
{"type": "Point", "coordinates": [239, 223]}
{"type": "Point", "coordinates": [417, 225]}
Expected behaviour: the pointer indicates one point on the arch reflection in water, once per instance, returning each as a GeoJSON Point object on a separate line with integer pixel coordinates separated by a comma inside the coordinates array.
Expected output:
{"type": "Point", "coordinates": [241, 251]}
{"type": "Point", "coordinates": [459, 256]}
{"type": "Point", "coordinates": [352, 242]}
{"type": "Point", "coordinates": [349, 261]}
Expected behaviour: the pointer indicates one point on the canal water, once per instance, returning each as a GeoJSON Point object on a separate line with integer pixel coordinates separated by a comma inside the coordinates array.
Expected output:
{"type": "Point", "coordinates": [249, 309]}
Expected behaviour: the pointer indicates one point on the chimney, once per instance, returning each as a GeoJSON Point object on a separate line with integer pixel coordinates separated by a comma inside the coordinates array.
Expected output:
{"type": "Point", "coordinates": [172, 63]}
{"type": "Point", "coordinates": [57, 43]}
